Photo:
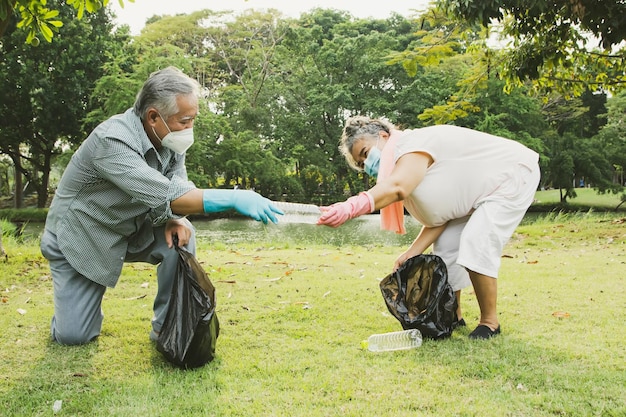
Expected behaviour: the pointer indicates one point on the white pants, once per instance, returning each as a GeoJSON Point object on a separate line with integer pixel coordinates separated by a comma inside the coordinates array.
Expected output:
{"type": "Point", "coordinates": [476, 242]}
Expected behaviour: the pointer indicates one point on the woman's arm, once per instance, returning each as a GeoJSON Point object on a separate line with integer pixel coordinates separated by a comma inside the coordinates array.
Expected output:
{"type": "Point", "coordinates": [407, 174]}
{"type": "Point", "coordinates": [424, 239]}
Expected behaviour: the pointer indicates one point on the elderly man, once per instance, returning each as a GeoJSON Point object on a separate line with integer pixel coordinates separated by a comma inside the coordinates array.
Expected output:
{"type": "Point", "coordinates": [123, 198]}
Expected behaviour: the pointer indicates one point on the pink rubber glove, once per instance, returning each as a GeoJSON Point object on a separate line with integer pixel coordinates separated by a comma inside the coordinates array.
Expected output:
{"type": "Point", "coordinates": [339, 213]}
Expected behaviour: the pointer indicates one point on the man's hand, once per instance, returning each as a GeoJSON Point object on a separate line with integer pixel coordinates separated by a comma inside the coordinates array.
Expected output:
{"type": "Point", "coordinates": [180, 228]}
{"type": "Point", "coordinates": [246, 202]}
{"type": "Point", "coordinates": [255, 206]}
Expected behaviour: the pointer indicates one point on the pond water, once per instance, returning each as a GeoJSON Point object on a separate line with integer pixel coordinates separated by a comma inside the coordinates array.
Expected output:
{"type": "Point", "coordinates": [301, 230]}
{"type": "Point", "coordinates": [364, 231]}
{"type": "Point", "coordinates": [297, 230]}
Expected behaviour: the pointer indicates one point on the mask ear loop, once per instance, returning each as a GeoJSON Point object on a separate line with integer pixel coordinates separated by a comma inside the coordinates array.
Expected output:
{"type": "Point", "coordinates": [154, 131]}
{"type": "Point", "coordinates": [162, 118]}
{"type": "Point", "coordinates": [157, 136]}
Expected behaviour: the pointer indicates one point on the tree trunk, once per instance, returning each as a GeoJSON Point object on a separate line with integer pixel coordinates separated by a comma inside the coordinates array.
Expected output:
{"type": "Point", "coordinates": [18, 201]}
{"type": "Point", "coordinates": [2, 251]}
{"type": "Point", "coordinates": [5, 23]}
{"type": "Point", "coordinates": [42, 190]}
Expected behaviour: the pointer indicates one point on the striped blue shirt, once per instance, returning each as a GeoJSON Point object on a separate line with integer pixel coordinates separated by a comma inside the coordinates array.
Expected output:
{"type": "Point", "coordinates": [116, 187]}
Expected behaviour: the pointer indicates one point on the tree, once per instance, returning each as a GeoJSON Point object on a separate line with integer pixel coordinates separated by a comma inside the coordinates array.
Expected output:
{"type": "Point", "coordinates": [573, 154]}
{"type": "Point", "coordinates": [331, 66]}
{"type": "Point", "coordinates": [46, 93]}
{"type": "Point", "coordinates": [455, 50]}
{"type": "Point", "coordinates": [552, 43]}
{"type": "Point", "coordinates": [612, 139]}
{"type": "Point", "coordinates": [35, 18]}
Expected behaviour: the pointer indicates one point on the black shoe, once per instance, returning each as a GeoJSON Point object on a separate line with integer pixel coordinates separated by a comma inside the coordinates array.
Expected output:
{"type": "Point", "coordinates": [483, 332]}
{"type": "Point", "coordinates": [459, 323]}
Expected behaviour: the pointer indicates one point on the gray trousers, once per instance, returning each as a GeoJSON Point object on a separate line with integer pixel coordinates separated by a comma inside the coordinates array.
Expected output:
{"type": "Point", "coordinates": [78, 300]}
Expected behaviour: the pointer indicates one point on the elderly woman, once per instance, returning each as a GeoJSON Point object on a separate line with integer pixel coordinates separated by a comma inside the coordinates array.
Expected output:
{"type": "Point", "coordinates": [468, 189]}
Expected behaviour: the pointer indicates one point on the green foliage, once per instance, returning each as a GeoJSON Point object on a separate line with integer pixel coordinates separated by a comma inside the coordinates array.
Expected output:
{"type": "Point", "coordinates": [46, 91]}
{"type": "Point", "coordinates": [36, 18]}
{"type": "Point", "coordinates": [612, 136]}
{"type": "Point", "coordinates": [330, 66]}
{"type": "Point", "coordinates": [553, 43]}
{"type": "Point", "coordinates": [7, 228]}
{"type": "Point", "coordinates": [277, 92]}
{"type": "Point", "coordinates": [24, 215]}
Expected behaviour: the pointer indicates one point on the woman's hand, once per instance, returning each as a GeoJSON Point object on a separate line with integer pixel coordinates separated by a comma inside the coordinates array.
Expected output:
{"type": "Point", "coordinates": [339, 213]}
{"type": "Point", "coordinates": [424, 239]}
{"type": "Point", "coordinates": [409, 253]}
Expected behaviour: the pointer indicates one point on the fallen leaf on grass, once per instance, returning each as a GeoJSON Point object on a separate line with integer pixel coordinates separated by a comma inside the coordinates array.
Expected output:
{"type": "Point", "coordinates": [139, 297]}
{"type": "Point", "coordinates": [561, 314]}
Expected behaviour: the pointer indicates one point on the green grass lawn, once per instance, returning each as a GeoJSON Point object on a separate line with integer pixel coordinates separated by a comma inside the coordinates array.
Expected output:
{"type": "Point", "coordinates": [585, 197]}
{"type": "Point", "coordinates": [292, 321]}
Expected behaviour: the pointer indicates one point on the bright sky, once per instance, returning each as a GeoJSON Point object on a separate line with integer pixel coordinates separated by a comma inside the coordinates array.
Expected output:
{"type": "Point", "coordinates": [135, 14]}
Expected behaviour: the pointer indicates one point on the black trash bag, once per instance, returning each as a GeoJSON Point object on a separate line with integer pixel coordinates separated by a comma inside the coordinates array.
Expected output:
{"type": "Point", "coordinates": [189, 333]}
{"type": "Point", "coordinates": [419, 296]}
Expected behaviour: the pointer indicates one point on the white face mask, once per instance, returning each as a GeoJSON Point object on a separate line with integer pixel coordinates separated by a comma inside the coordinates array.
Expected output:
{"type": "Point", "coordinates": [178, 141]}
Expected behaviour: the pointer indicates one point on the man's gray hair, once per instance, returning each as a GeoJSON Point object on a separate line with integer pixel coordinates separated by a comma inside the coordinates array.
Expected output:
{"type": "Point", "coordinates": [162, 89]}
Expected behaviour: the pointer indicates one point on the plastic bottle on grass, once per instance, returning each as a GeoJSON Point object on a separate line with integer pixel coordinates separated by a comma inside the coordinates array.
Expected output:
{"type": "Point", "coordinates": [407, 339]}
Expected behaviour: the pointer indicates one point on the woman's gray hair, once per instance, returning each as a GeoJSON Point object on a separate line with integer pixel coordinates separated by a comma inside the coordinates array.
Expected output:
{"type": "Point", "coordinates": [161, 90]}
{"type": "Point", "coordinates": [357, 128]}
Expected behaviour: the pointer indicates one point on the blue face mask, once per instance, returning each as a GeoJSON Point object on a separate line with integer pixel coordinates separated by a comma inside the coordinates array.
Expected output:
{"type": "Point", "coordinates": [372, 162]}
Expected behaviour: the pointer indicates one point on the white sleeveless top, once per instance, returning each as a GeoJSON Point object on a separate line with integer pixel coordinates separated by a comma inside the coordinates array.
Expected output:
{"type": "Point", "coordinates": [469, 167]}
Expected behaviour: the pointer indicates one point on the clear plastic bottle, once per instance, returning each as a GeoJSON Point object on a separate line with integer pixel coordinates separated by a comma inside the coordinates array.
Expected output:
{"type": "Point", "coordinates": [407, 339]}
{"type": "Point", "coordinates": [298, 212]}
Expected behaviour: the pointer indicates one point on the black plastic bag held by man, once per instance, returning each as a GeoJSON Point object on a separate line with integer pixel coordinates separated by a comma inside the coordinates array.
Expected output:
{"type": "Point", "coordinates": [191, 327]}
{"type": "Point", "coordinates": [419, 296]}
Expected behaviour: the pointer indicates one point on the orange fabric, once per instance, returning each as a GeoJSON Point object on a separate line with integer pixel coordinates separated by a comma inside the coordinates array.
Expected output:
{"type": "Point", "coordinates": [392, 216]}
